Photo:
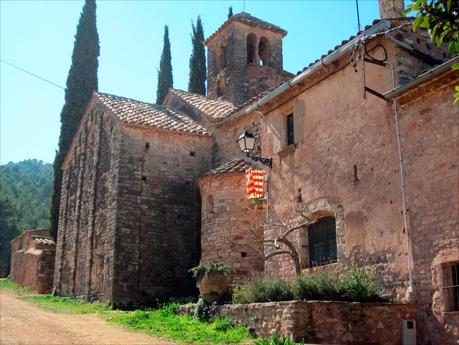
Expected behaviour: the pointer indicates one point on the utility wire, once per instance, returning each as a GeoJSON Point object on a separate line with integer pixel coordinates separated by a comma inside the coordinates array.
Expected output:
{"type": "Point", "coordinates": [32, 74]}
{"type": "Point", "coordinates": [358, 15]}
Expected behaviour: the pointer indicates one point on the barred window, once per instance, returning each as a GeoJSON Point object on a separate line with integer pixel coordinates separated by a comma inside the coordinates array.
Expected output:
{"type": "Point", "coordinates": [322, 242]}
{"type": "Point", "coordinates": [451, 285]}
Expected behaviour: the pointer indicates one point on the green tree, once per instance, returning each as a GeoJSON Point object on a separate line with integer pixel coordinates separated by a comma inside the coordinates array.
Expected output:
{"type": "Point", "coordinates": [230, 12]}
{"type": "Point", "coordinates": [441, 19]}
{"type": "Point", "coordinates": [8, 231]}
{"type": "Point", "coordinates": [165, 80]}
{"type": "Point", "coordinates": [198, 72]}
{"type": "Point", "coordinates": [81, 82]}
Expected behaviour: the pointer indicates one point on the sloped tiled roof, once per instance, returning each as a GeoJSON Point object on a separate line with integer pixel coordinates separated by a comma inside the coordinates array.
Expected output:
{"type": "Point", "coordinates": [213, 108]}
{"type": "Point", "coordinates": [233, 166]}
{"type": "Point", "coordinates": [264, 93]}
{"type": "Point", "coordinates": [150, 115]}
{"type": "Point", "coordinates": [44, 240]}
{"type": "Point", "coordinates": [376, 21]}
{"type": "Point", "coordinates": [246, 18]}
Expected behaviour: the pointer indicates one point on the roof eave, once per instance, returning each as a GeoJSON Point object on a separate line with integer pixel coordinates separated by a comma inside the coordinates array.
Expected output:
{"type": "Point", "coordinates": [379, 27]}
{"type": "Point", "coordinates": [430, 74]}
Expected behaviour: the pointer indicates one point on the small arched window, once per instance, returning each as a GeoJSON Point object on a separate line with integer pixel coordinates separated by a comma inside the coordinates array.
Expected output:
{"type": "Point", "coordinates": [264, 51]}
{"type": "Point", "coordinates": [251, 48]}
{"type": "Point", "coordinates": [322, 242]}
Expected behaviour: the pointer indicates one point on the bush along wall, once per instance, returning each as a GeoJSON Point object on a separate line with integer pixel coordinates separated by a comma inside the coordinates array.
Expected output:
{"type": "Point", "coordinates": [355, 285]}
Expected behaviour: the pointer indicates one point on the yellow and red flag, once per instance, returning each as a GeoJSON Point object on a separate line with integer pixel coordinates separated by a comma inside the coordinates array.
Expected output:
{"type": "Point", "coordinates": [255, 183]}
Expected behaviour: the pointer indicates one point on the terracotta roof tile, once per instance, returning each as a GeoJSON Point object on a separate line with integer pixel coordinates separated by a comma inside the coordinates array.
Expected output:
{"type": "Point", "coordinates": [150, 115]}
{"type": "Point", "coordinates": [213, 108]}
{"type": "Point", "coordinates": [233, 166]}
{"type": "Point", "coordinates": [376, 21]}
{"type": "Point", "coordinates": [246, 18]}
{"type": "Point", "coordinates": [44, 240]}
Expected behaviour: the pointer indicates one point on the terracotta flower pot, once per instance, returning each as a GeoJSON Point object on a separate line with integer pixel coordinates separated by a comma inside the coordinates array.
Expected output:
{"type": "Point", "coordinates": [213, 286]}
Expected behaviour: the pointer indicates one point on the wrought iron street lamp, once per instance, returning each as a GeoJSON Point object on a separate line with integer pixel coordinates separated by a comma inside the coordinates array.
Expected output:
{"type": "Point", "coordinates": [246, 143]}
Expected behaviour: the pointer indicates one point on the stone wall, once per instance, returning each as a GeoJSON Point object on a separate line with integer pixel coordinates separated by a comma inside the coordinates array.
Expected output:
{"type": "Point", "coordinates": [85, 243]}
{"type": "Point", "coordinates": [32, 260]}
{"type": "Point", "coordinates": [230, 80]}
{"type": "Point", "coordinates": [158, 222]}
{"type": "Point", "coordinates": [323, 322]}
{"type": "Point", "coordinates": [429, 125]}
{"type": "Point", "coordinates": [343, 164]}
{"type": "Point", "coordinates": [262, 78]}
{"type": "Point", "coordinates": [229, 231]}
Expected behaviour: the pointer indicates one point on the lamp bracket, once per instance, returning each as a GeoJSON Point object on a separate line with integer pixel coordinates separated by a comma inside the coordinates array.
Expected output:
{"type": "Point", "coordinates": [266, 161]}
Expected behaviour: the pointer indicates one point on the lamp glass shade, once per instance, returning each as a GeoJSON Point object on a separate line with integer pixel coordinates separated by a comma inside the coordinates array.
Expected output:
{"type": "Point", "coordinates": [246, 142]}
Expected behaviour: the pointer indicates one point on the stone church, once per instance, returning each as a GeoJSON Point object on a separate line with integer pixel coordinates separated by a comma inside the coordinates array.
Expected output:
{"type": "Point", "coordinates": [365, 139]}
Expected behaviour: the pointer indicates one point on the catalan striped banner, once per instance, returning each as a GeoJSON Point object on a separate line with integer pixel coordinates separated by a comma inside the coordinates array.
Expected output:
{"type": "Point", "coordinates": [255, 183]}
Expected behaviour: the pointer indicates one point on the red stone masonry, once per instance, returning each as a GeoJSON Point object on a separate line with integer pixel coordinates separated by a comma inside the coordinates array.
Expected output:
{"type": "Point", "coordinates": [227, 219]}
{"type": "Point", "coordinates": [324, 322]}
{"type": "Point", "coordinates": [32, 260]}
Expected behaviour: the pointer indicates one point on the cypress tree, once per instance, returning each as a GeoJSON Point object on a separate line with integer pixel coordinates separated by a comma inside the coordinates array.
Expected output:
{"type": "Point", "coordinates": [81, 82]}
{"type": "Point", "coordinates": [165, 80]}
{"type": "Point", "coordinates": [230, 12]}
{"type": "Point", "coordinates": [198, 73]}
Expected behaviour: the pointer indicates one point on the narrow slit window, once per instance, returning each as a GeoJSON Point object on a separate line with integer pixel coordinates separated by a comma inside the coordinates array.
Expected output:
{"type": "Point", "coordinates": [290, 130]}
{"type": "Point", "coordinates": [455, 287]}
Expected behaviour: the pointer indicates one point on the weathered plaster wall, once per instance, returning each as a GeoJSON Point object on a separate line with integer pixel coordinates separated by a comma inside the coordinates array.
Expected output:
{"type": "Point", "coordinates": [229, 231]}
{"type": "Point", "coordinates": [429, 125]}
{"type": "Point", "coordinates": [158, 221]}
{"type": "Point", "coordinates": [85, 243]}
{"type": "Point", "coordinates": [335, 130]}
{"type": "Point", "coordinates": [32, 264]}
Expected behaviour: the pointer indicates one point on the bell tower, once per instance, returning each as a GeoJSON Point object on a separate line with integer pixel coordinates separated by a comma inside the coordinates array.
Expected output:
{"type": "Point", "coordinates": [244, 58]}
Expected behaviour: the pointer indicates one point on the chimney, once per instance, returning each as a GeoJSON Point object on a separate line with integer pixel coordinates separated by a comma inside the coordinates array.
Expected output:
{"type": "Point", "coordinates": [391, 8]}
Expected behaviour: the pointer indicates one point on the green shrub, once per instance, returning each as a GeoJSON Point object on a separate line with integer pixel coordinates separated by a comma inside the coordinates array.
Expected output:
{"type": "Point", "coordinates": [267, 289]}
{"type": "Point", "coordinates": [358, 285]}
{"type": "Point", "coordinates": [318, 287]}
{"type": "Point", "coordinates": [203, 311]}
{"type": "Point", "coordinates": [276, 340]}
{"type": "Point", "coordinates": [204, 269]}
{"type": "Point", "coordinates": [354, 285]}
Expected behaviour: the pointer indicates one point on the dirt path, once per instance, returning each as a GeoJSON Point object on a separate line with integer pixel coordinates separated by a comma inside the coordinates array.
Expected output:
{"type": "Point", "coordinates": [22, 323]}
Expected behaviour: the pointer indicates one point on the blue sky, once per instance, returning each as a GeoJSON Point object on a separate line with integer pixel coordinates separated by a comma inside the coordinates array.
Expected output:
{"type": "Point", "coordinates": [38, 36]}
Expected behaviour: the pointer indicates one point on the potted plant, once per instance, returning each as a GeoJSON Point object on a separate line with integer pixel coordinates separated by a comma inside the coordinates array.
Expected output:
{"type": "Point", "coordinates": [211, 280]}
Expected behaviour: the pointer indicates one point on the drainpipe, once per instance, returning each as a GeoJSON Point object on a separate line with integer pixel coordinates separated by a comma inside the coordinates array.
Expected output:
{"type": "Point", "coordinates": [410, 295]}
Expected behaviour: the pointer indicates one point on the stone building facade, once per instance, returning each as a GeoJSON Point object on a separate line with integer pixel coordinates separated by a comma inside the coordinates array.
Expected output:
{"type": "Point", "coordinates": [32, 260]}
{"type": "Point", "coordinates": [373, 165]}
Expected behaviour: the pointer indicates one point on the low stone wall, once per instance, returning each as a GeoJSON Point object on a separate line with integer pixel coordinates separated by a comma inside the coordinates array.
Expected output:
{"type": "Point", "coordinates": [324, 322]}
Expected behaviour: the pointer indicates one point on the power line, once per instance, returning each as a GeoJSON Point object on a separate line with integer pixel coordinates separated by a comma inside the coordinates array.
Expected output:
{"type": "Point", "coordinates": [32, 74]}
{"type": "Point", "coordinates": [358, 16]}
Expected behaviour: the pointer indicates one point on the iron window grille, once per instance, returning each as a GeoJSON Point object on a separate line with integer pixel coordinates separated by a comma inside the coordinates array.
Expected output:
{"type": "Point", "coordinates": [452, 286]}
{"type": "Point", "coordinates": [322, 242]}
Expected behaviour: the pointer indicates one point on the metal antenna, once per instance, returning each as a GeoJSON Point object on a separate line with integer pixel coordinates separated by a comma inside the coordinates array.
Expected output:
{"type": "Point", "coordinates": [243, 5]}
{"type": "Point", "coordinates": [358, 15]}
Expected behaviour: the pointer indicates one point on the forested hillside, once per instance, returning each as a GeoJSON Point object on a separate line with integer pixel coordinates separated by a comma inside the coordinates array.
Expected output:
{"type": "Point", "coordinates": [25, 196]}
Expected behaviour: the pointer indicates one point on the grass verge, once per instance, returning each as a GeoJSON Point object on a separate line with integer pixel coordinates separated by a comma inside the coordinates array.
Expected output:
{"type": "Point", "coordinates": [66, 305]}
{"type": "Point", "coordinates": [6, 283]}
{"type": "Point", "coordinates": [166, 323]}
